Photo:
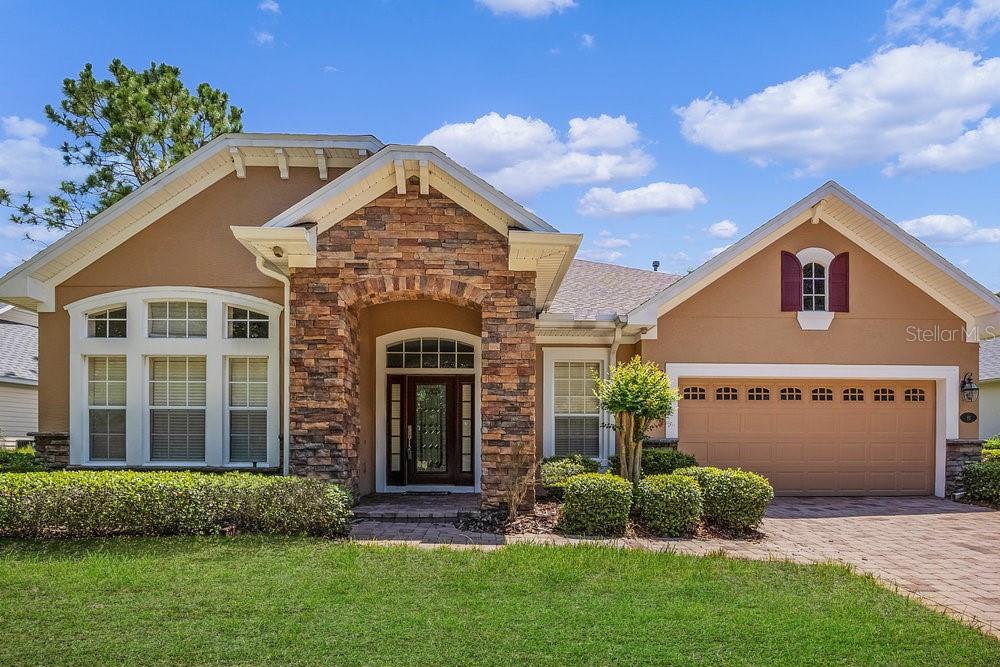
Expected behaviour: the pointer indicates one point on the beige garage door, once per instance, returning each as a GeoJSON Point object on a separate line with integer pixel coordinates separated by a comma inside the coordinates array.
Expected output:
{"type": "Point", "coordinates": [815, 437]}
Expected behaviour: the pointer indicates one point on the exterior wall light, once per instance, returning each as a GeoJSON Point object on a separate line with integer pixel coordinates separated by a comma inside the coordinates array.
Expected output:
{"type": "Point", "coordinates": [970, 390]}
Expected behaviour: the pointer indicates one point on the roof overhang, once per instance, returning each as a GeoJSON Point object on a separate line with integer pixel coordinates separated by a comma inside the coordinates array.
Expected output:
{"type": "Point", "coordinates": [391, 168]}
{"type": "Point", "coordinates": [834, 205]}
{"type": "Point", "coordinates": [548, 254]}
{"type": "Point", "coordinates": [283, 248]}
{"type": "Point", "coordinates": [31, 285]}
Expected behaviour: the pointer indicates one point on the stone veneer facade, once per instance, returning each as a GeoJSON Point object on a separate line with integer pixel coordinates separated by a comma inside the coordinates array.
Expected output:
{"type": "Point", "coordinates": [407, 247]}
{"type": "Point", "coordinates": [960, 454]}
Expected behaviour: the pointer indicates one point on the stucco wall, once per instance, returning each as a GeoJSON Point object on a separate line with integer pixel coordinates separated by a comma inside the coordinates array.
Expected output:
{"type": "Point", "coordinates": [190, 246]}
{"type": "Point", "coordinates": [989, 408]}
{"type": "Point", "coordinates": [738, 319]}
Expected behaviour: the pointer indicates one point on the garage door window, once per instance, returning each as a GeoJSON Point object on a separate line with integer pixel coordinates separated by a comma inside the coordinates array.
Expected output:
{"type": "Point", "coordinates": [822, 394]}
{"type": "Point", "coordinates": [791, 394]}
{"type": "Point", "coordinates": [759, 394]}
{"type": "Point", "coordinates": [884, 395]}
{"type": "Point", "coordinates": [914, 395]}
{"type": "Point", "coordinates": [854, 395]}
{"type": "Point", "coordinates": [726, 394]}
{"type": "Point", "coordinates": [694, 393]}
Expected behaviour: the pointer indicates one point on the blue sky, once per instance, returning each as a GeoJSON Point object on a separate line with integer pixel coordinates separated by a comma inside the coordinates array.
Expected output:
{"type": "Point", "coordinates": [659, 130]}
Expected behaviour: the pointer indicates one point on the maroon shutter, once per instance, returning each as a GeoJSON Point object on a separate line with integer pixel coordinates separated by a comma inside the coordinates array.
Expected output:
{"type": "Point", "coordinates": [791, 282]}
{"type": "Point", "coordinates": [840, 283]}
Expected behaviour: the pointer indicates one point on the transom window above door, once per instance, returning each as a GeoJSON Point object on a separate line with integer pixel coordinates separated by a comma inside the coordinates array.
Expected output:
{"type": "Point", "coordinates": [430, 353]}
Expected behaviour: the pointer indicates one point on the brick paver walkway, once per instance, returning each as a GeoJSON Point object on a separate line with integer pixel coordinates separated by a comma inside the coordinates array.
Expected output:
{"type": "Point", "coordinates": [944, 553]}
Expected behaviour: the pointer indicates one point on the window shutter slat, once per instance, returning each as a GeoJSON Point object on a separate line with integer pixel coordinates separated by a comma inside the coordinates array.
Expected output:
{"type": "Point", "coordinates": [840, 283]}
{"type": "Point", "coordinates": [791, 282]}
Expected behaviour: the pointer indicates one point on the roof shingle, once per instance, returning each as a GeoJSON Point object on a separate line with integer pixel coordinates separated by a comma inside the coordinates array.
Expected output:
{"type": "Point", "coordinates": [989, 359]}
{"type": "Point", "coordinates": [594, 290]}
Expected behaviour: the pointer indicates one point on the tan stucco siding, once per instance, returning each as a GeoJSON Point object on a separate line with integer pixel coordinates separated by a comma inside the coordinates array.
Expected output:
{"type": "Point", "coordinates": [190, 246]}
{"type": "Point", "coordinates": [382, 319]}
{"type": "Point", "coordinates": [738, 319]}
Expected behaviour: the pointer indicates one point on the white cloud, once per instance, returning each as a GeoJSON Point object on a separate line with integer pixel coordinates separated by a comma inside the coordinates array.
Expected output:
{"type": "Point", "coordinates": [587, 41]}
{"type": "Point", "coordinates": [269, 6]}
{"type": "Point", "coordinates": [724, 229]}
{"type": "Point", "coordinates": [22, 128]}
{"type": "Point", "coordinates": [897, 102]}
{"type": "Point", "coordinates": [529, 9]}
{"type": "Point", "coordinates": [28, 164]}
{"type": "Point", "coordinates": [972, 18]}
{"type": "Point", "coordinates": [601, 255]}
{"type": "Point", "coordinates": [263, 38]}
{"type": "Point", "coordinates": [973, 149]}
{"type": "Point", "coordinates": [715, 251]}
{"type": "Point", "coordinates": [950, 230]}
{"type": "Point", "coordinates": [9, 260]}
{"type": "Point", "coordinates": [655, 198]}
{"type": "Point", "coordinates": [330, 68]}
{"type": "Point", "coordinates": [606, 240]}
{"type": "Point", "coordinates": [602, 132]}
{"type": "Point", "coordinates": [42, 235]}
{"type": "Point", "coordinates": [524, 156]}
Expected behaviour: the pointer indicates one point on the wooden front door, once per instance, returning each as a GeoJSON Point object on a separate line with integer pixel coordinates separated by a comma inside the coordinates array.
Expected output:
{"type": "Point", "coordinates": [430, 430]}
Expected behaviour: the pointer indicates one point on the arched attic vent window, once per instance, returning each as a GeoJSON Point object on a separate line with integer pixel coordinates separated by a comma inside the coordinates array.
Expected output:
{"type": "Point", "coordinates": [833, 286]}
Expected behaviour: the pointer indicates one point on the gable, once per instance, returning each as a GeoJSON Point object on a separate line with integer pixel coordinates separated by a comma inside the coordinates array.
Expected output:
{"type": "Point", "coordinates": [976, 306]}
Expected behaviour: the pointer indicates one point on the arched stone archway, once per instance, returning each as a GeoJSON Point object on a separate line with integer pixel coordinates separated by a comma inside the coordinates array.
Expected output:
{"type": "Point", "coordinates": [407, 247]}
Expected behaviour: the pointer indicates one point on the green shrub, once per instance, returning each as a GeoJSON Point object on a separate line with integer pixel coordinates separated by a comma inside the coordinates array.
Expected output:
{"type": "Point", "coordinates": [557, 469]}
{"type": "Point", "coordinates": [20, 460]}
{"type": "Point", "coordinates": [669, 504]}
{"type": "Point", "coordinates": [596, 504]}
{"type": "Point", "coordinates": [992, 442]}
{"type": "Point", "coordinates": [116, 502]}
{"type": "Point", "coordinates": [991, 454]}
{"type": "Point", "coordinates": [982, 481]}
{"type": "Point", "coordinates": [732, 499]}
{"type": "Point", "coordinates": [658, 461]}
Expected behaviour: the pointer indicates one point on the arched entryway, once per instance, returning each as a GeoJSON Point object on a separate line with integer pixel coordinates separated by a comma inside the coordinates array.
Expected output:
{"type": "Point", "coordinates": [428, 410]}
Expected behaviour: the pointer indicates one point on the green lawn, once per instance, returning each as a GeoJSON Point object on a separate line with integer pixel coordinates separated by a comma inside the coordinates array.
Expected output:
{"type": "Point", "coordinates": [267, 601]}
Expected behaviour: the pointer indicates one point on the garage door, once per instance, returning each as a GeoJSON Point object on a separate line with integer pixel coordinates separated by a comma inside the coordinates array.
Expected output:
{"type": "Point", "coordinates": [815, 437]}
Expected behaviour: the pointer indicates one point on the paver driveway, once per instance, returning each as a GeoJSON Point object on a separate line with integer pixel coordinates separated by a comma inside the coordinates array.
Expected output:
{"type": "Point", "coordinates": [946, 553]}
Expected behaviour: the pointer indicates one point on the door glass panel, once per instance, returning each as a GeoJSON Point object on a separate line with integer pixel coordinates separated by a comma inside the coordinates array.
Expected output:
{"type": "Point", "coordinates": [429, 429]}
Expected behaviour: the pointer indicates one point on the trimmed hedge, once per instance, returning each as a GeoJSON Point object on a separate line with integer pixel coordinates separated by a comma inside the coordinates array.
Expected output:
{"type": "Point", "coordinates": [991, 448]}
{"type": "Point", "coordinates": [596, 504]}
{"type": "Point", "coordinates": [658, 461]}
{"type": "Point", "coordinates": [733, 499]}
{"type": "Point", "coordinates": [20, 460]}
{"type": "Point", "coordinates": [982, 481]}
{"type": "Point", "coordinates": [557, 469]}
{"type": "Point", "coordinates": [117, 502]}
{"type": "Point", "coordinates": [669, 504]}
{"type": "Point", "coordinates": [991, 454]}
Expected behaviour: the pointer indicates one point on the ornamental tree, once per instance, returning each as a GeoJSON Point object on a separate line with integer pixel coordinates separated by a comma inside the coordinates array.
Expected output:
{"type": "Point", "coordinates": [639, 395]}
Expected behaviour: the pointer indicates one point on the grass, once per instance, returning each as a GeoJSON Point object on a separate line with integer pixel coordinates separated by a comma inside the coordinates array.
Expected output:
{"type": "Point", "coordinates": [290, 601]}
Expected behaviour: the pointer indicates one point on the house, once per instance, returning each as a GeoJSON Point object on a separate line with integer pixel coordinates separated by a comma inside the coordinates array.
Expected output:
{"type": "Point", "coordinates": [377, 314]}
{"type": "Point", "coordinates": [18, 375]}
{"type": "Point", "coordinates": [989, 392]}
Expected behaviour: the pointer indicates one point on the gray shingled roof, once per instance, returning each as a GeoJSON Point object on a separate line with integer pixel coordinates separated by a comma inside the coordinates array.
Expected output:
{"type": "Point", "coordinates": [989, 359]}
{"type": "Point", "coordinates": [593, 290]}
{"type": "Point", "coordinates": [18, 353]}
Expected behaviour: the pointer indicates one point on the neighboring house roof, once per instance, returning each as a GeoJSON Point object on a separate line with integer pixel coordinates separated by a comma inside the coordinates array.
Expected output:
{"type": "Point", "coordinates": [596, 291]}
{"type": "Point", "coordinates": [18, 352]}
{"type": "Point", "coordinates": [834, 205]}
{"type": "Point", "coordinates": [989, 360]}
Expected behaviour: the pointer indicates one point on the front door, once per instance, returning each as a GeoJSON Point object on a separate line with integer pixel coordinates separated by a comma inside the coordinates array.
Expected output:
{"type": "Point", "coordinates": [430, 422]}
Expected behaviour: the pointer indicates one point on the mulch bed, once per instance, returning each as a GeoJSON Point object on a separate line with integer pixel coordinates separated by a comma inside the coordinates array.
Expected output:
{"type": "Point", "coordinates": [542, 521]}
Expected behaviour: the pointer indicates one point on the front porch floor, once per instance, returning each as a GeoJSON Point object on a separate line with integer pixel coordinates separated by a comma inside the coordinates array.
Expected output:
{"type": "Point", "coordinates": [416, 507]}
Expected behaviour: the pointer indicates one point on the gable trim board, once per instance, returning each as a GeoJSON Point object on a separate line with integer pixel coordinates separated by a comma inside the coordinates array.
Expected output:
{"type": "Point", "coordinates": [946, 379]}
{"type": "Point", "coordinates": [934, 275]}
{"type": "Point", "coordinates": [32, 284]}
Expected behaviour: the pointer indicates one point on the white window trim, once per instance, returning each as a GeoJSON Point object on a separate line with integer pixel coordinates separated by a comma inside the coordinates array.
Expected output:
{"type": "Point", "coordinates": [945, 378]}
{"type": "Point", "coordinates": [137, 347]}
{"type": "Point", "coordinates": [550, 355]}
{"type": "Point", "coordinates": [816, 320]}
{"type": "Point", "coordinates": [381, 373]}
